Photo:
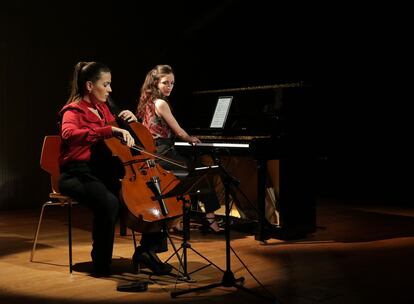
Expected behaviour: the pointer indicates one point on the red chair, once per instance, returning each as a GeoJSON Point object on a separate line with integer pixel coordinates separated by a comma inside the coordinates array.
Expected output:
{"type": "Point", "coordinates": [49, 163]}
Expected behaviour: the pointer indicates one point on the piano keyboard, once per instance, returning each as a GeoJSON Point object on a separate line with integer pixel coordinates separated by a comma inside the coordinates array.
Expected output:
{"type": "Point", "coordinates": [213, 145]}
{"type": "Point", "coordinates": [230, 138]}
{"type": "Point", "coordinates": [214, 141]}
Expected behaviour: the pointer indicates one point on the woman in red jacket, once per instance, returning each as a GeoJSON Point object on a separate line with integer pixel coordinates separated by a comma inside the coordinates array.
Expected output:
{"type": "Point", "coordinates": [85, 162]}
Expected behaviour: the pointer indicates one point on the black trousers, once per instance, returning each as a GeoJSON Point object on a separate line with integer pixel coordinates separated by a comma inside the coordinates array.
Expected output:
{"type": "Point", "coordinates": [165, 147]}
{"type": "Point", "coordinates": [78, 181]}
{"type": "Point", "coordinates": [87, 185]}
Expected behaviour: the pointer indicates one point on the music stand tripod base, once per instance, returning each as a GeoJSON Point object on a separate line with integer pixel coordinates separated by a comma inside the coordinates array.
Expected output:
{"type": "Point", "coordinates": [188, 187]}
{"type": "Point", "coordinates": [228, 279]}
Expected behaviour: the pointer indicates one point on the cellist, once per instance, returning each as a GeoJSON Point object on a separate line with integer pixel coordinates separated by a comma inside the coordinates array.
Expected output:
{"type": "Point", "coordinates": [86, 174]}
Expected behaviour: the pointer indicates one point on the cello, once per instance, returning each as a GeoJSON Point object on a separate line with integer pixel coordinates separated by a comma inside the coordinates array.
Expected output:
{"type": "Point", "coordinates": [145, 181]}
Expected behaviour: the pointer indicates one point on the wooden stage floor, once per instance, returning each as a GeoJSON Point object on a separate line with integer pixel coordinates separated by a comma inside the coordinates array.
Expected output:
{"type": "Point", "coordinates": [358, 255]}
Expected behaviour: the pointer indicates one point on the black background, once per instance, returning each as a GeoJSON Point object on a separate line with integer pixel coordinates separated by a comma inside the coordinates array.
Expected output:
{"type": "Point", "coordinates": [356, 59]}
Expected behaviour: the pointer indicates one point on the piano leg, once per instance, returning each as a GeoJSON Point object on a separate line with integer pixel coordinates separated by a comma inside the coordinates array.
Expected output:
{"type": "Point", "coordinates": [297, 208]}
{"type": "Point", "coordinates": [261, 234]}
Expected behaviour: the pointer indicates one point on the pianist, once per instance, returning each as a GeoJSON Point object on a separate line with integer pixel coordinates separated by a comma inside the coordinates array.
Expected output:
{"type": "Point", "coordinates": [154, 110]}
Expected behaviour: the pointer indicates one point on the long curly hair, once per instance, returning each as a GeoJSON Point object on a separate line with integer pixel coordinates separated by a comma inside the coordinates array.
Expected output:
{"type": "Point", "coordinates": [149, 90]}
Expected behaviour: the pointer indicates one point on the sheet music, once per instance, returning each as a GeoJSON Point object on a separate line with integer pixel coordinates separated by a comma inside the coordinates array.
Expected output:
{"type": "Point", "coordinates": [221, 111]}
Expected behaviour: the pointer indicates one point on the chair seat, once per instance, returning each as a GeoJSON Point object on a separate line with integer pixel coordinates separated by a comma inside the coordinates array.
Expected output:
{"type": "Point", "coordinates": [64, 199]}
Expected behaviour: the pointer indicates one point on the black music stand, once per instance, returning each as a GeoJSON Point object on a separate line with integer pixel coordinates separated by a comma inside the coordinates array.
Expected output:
{"type": "Point", "coordinates": [228, 279]}
{"type": "Point", "coordinates": [189, 186]}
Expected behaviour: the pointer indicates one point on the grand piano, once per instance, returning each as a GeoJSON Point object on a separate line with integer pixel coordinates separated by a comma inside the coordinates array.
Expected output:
{"type": "Point", "coordinates": [266, 144]}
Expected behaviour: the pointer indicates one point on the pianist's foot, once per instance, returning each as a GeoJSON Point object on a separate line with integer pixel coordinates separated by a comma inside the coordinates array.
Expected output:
{"type": "Point", "coordinates": [211, 225]}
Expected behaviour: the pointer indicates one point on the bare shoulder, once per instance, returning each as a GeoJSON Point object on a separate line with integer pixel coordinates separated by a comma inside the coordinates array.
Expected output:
{"type": "Point", "coordinates": [161, 104]}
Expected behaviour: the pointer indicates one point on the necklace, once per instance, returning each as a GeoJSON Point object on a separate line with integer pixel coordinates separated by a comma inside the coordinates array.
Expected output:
{"type": "Point", "coordinates": [95, 111]}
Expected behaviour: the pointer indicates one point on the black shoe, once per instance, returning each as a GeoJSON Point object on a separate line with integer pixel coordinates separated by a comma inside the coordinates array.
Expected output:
{"type": "Point", "coordinates": [211, 226]}
{"type": "Point", "coordinates": [100, 270]}
{"type": "Point", "coordinates": [150, 260]}
{"type": "Point", "coordinates": [101, 266]}
{"type": "Point", "coordinates": [133, 287]}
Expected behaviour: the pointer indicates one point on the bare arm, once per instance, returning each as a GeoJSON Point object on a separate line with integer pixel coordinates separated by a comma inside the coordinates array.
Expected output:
{"type": "Point", "coordinates": [163, 109]}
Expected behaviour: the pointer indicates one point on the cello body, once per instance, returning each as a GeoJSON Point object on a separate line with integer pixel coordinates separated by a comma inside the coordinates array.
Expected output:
{"type": "Point", "coordinates": [144, 182]}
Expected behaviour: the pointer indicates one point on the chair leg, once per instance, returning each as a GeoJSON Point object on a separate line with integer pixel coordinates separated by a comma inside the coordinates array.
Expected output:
{"type": "Point", "coordinates": [37, 232]}
{"type": "Point", "coordinates": [122, 227]}
{"type": "Point", "coordinates": [38, 227]}
{"type": "Point", "coordinates": [69, 231]}
{"type": "Point", "coordinates": [70, 235]}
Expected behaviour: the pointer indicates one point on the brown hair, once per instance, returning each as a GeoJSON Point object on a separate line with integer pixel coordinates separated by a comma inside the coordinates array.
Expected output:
{"type": "Point", "coordinates": [83, 72]}
{"type": "Point", "coordinates": [149, 90]}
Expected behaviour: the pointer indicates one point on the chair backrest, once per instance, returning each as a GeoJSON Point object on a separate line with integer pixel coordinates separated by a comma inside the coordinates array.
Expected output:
{"type": "Point", "coordinates": [49, 159]}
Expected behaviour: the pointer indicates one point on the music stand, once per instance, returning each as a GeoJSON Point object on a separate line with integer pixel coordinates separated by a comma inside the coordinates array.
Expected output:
{"type": "Point", "coordinates": [228, 279]}
{"type": "Point", "coordinates": [189, 187]}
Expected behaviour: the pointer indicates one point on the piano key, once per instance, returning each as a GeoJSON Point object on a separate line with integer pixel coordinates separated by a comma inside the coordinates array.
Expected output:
{"type": "Point", "coordinates": [214, 145]}
{"type": "Point", "coordinates": [227, 138]}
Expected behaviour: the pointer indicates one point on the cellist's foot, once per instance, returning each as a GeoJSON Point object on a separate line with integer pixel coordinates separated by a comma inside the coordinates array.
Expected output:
{"type": "Point", "coordinates": [149, 259]}
{"type": "Point", "coordinates": [100, 270]}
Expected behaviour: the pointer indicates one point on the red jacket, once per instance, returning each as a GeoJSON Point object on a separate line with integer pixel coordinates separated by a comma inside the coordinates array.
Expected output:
{"type": "Point", "coordinates": [81, 129]}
